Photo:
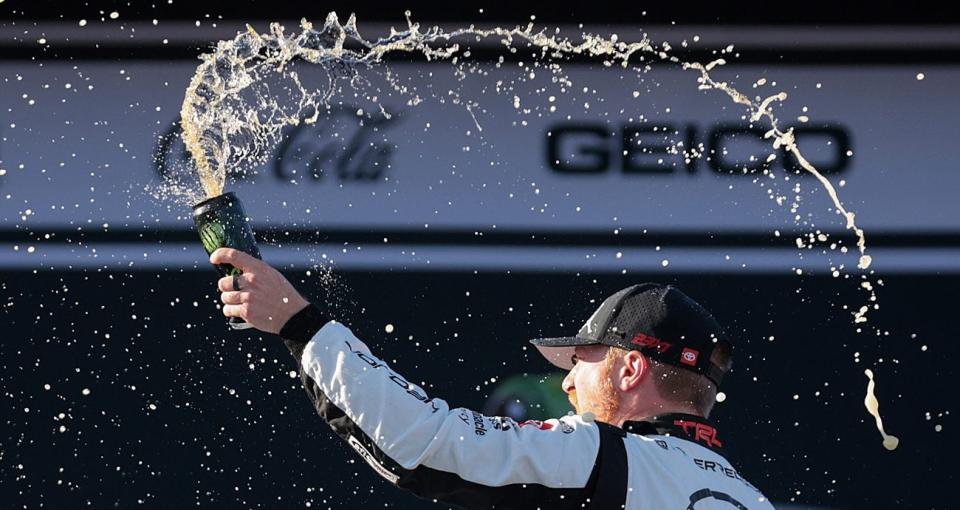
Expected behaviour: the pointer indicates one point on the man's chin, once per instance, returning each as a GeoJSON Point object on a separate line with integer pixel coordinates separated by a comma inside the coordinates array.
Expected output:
{"type": "Point", "coordinates": [600, 413]}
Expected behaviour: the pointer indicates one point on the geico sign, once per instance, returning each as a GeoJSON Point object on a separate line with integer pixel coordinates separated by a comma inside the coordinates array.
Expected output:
{"type": "Point", "coordinates": [734, 149]}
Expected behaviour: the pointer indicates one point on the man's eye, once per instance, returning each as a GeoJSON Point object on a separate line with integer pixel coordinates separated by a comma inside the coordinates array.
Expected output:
{"type": "Point", "coordinates": [574, 359]}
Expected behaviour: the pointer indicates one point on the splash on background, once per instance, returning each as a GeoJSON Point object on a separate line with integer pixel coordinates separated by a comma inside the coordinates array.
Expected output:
{"type": "Point", "coordinates": [246, 91]}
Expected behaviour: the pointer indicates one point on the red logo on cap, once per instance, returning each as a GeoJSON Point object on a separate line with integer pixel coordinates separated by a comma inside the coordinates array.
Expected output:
{"type": "Point", "coordinates": [689, 356]}
{"type": "Point", "coordinates": [651, 342]}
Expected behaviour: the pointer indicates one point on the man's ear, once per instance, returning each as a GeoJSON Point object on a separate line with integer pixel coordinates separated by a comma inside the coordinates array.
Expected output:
{"type": "Point", "coordinates": [635, 369]}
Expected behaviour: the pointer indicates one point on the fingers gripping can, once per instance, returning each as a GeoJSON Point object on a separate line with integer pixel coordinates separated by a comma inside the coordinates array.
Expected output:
{"type": "Point", "coordinates": [222, 222]}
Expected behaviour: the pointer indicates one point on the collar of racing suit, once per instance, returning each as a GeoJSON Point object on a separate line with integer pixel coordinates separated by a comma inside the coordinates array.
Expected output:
{"type": "Point", "coordinates": [685, 426]}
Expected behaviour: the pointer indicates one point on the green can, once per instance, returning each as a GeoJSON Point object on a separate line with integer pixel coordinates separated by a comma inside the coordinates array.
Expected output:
{"type": "Point", "coordinates": [222, 222]}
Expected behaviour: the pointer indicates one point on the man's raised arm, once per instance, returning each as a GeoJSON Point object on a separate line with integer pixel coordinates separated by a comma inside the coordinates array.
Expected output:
{"type": "Point", "coordinates": [413, 441]}
{"type": "Point", "coordinates": [418, 443]}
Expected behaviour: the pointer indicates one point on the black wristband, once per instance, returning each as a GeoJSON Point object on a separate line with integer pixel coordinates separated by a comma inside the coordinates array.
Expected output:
{"type": "Point", "coordinates": [304, 324]}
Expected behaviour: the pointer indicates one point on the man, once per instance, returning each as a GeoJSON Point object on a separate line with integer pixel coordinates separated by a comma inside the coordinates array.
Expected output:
{"type": "Point", "coordinates": [643, 376]}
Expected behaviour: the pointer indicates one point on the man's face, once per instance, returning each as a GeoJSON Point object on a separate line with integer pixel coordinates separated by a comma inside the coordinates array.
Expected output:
{"type": "Point", "coordinates": [589, 385]}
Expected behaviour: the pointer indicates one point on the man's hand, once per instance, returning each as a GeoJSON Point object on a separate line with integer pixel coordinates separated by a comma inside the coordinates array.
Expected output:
{"type": "Point", "coordinates": [266, 299]}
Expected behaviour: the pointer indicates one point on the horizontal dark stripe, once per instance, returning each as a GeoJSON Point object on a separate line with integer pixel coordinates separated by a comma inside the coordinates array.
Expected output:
{"type": "Point", "coordinates": [818, 13]}
{"type": "Point", "coordinates": [498, 237]}
{"type": "Point", "coordinates": [743, 55]}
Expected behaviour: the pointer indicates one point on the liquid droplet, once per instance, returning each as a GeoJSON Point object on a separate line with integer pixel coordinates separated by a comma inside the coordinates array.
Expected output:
{"type": "Point", "coordinates": [873, 407]}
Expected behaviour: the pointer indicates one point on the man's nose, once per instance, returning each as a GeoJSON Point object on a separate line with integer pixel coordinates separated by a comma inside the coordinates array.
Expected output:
{"type": "Point", "coordinates": [567, 383]}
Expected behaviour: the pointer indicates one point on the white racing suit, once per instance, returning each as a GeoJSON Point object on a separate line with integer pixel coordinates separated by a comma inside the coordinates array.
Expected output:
{"type": "Point", "coordinates": [463, 458]}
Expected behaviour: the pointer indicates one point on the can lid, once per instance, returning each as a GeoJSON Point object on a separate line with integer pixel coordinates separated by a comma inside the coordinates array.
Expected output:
{"type": "Point", "coordinates": [212, 202]}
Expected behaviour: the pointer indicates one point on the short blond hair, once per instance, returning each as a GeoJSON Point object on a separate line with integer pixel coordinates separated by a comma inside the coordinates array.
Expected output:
{"type": "Point", "coordinates": [681, 385]}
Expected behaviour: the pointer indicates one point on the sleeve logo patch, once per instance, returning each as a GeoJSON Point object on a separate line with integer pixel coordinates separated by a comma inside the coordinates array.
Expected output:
{"type": "Point", "coordinates": [372, 461]}
{"type": "Point", "coordinates": [542, 425]}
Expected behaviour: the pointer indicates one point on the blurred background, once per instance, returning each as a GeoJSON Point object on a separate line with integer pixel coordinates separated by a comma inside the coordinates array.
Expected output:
{"type": "Point", "coordinates": [502, 207]}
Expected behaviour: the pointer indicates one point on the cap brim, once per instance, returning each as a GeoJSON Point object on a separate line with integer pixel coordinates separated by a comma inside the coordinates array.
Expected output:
{"type": "Point", "coordinates": [559, 351]}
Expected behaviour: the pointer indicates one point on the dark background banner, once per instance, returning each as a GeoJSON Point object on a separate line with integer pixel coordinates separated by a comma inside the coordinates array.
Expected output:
{"type": "Point", "coordinates": [182, 412]}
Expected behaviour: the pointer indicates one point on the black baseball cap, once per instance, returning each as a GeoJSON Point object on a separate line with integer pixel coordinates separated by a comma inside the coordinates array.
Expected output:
{"type": "Point", "coordinates": [658, 320]}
